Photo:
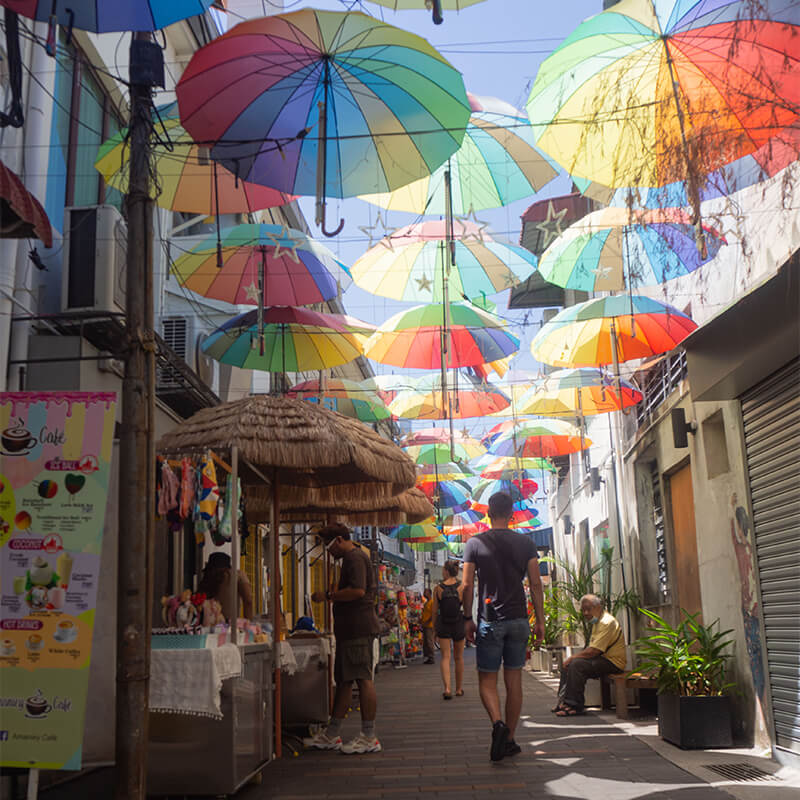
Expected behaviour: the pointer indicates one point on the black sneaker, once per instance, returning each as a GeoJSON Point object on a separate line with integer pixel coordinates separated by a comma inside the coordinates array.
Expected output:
{"type": "Point", "coordinates": [499, 740]}
{"type": "Point", "coordinates": [512, 748]}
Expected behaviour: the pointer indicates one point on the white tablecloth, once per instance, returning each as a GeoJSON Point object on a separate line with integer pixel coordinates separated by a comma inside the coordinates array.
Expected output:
{"type": "Point", "coordinates": [189, 681]}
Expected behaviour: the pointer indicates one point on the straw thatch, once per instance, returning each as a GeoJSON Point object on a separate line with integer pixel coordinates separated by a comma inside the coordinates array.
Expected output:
{"type": "Point", "coordinates": [308, 446]}
{"type": "Point", "coordinates": [410, 506]}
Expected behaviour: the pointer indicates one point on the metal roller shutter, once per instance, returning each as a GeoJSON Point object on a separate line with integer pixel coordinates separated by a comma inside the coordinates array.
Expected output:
{"type": "Point", "coordinates": [771, 412]}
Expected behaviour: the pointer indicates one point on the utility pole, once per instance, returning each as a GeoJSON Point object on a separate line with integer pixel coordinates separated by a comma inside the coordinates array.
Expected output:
{"type": "Point", "coordinates": [137, 445]}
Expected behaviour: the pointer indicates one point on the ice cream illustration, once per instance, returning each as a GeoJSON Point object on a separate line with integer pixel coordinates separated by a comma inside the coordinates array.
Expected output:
{"type": "Point", "coordinates": [64, 569]}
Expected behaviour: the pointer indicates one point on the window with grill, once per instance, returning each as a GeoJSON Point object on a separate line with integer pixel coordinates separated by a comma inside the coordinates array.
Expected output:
{"type": "Point", "coordinates": [660, 535]}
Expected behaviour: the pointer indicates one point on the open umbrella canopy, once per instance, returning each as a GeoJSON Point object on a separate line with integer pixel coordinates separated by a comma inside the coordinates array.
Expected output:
{"type": "Point", "coordinates": [447, 471]}
{"type": "Point", "coordinates": [440, 453]}
{"type": "Point", "coordinates": [582, 391]}
{"type": "Point", "coordinates": [648, 93]}
{"type": "Point", "coordinates": [587, 334]}
{"type": "Point", "coordinates": [21, 214]}
{"type": "Point", "coordinates": [282, 266]}
{"type": "Point", "coordinates": [347, 397]}
{"type": "Point", "coordinates": [413, 338]}
{"type": "Point", "coordinates": [450, 496]}
{"type": "Point", "coordinates": [496, 164]}
{"type": "Point", "coordinates": [440, 436]}
{"type": "Point", "coordinates": [509, 467]}
{"type": "Point", "coordinates": [616, 248]}
{"type": "Point", "coordinates": [408, 264]}
{"type": "Point", "coordinates": [186, 179]}
{"type": "Point", "coordinates": [288, 340]}
{"type": "Point", "coordinates": [518, 490]}
{"type": "Point", "coordinates": [459, 403]}
{"type": "Point", "coordinates": [540, 438]}
{"type": "Point", "coordinates": [421, 531]}
{"type": "Point", "coordinates": [393, 108]}
{"type": "Point", "coordinates": [105, 16]}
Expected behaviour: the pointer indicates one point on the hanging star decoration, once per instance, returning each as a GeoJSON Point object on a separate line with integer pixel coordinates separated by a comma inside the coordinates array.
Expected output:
{"type": "Point", "coordinates": [424, 283]}
{"type": "Point", "coordinates": [385, 238]}
{"type": "Point", "coordinates": [284, 241]}
{"type": "Point", "coordinates": [251, 292]}
{"type": "Point", "coordinates": [552, 225]}
{"type": "Point", "coordinates": [467, 230]}
{"type": "Point", "coordinates": [601, 271]}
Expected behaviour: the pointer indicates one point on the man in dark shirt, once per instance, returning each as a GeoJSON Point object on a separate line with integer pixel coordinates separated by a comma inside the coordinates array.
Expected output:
{"type": "Point", "coordinates": [502, 558]}
{"type": "Point", "coordinates": [355, 626]}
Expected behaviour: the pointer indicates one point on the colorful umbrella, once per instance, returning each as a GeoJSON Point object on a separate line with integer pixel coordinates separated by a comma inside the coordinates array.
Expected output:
{"type": "Point", "coordinates": [460, 403]}
{"type": "Point", "coordinates": [446, 495]}
{"type": "Point", "coordinates": [614, 248]}
{"type": "Point", "coordinates": [540, 438]}
{"type": "Point", "coordinates": [508, 468]}
{"type": "Point", "coordinates": [440, 453]}
{"type": "Point", "coordinates": [347, 397]}
{"type": "Point", "coordinates": [439, 436]}
{"type": "Point", "coordinates": [21, 214]}
{"type": "Point", "coordinates": [609, 329]}
{"type": "Point", "coordinates": [429, 547]}
{"type": "Point", "coordinates": [102, 17]}
{"type": "Point", "coordinates": [385, 105]}
{"type": "Point", "coordinates": [425, 530]}
{"type": "Point", "coordinates": [648, 93]}
{"type": "Point", "coordinates": [186, 178]}
{"type": "Point", "coordinates": [288, 340]}
{"type": "Point", "coordinates": [409, 264]}
{"type": "Point", "coordinates": [280, 265]}
{"type": "Point", "coordinates": [463, 525]}
{"type": "Point", "coordinates": [518, 490]}
{"type": "Point", "coordinates": [413, 338]}
{"type": "Point", "coordinates": [496, 164]}
{"type": "Point", "coordinates": [446, 471]}
{"type": "Point", "coordinates": [583, 392]}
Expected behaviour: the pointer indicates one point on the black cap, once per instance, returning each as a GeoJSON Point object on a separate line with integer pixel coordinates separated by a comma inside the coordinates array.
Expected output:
{"type": "Point", "coordinates": [218, 561]}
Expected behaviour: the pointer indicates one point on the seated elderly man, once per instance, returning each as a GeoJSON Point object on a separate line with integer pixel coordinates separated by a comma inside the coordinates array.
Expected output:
{"type": "Point", "coordinates": [605, 655]}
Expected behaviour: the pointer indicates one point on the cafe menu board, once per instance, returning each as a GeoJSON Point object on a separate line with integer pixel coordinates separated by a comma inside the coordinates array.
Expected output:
{"type": "Point", "coordinates": [55, 457]}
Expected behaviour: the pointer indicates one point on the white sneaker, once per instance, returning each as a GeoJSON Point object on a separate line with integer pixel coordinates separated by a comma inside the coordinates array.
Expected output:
{"type": "Point", "coordinates": [321, 741]}
{"type": "Point", "coordinates": [362, 744]}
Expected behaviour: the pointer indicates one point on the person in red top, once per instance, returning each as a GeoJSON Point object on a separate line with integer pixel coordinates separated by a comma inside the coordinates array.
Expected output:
{"type": "Point", "coordinates": [426, 621]}
{"type": "Point", "coordinates": [355, 626]}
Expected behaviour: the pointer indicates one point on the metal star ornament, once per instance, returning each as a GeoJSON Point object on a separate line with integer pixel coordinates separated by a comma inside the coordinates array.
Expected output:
{"type": "Point", "coordinates": [424, 283]}
{"type": "Point", "coordinates": [380, 224]}
{"type": "Point", "coordinates": [251, 292]}
{"type": "Point", "coordinates": [285, 242]}
{"type": "Point", "coordinates": [467, 234]}
{"type": "Point", "coordinates": [551, 226]}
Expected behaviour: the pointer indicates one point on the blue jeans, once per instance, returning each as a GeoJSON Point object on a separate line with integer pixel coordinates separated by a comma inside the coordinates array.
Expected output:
{"type": "Point", "coordinates": [503, 642]}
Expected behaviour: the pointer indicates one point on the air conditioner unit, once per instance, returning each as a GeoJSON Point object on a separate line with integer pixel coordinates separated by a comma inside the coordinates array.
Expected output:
{"type": "Point", "coordinates": [95, 251]}
{"type": "Point", "coordinates": [179, 334]}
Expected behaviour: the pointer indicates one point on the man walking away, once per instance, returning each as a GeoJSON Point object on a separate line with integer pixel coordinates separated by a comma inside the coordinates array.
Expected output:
{"type": "Point", "coordinates": [355, 626]}
{"type": "Point", "coordinates": [502, 558]}
{"type": "Point", "coordinates": [605, 655]}
{"type": "Point", "coordinates": [426, 620]}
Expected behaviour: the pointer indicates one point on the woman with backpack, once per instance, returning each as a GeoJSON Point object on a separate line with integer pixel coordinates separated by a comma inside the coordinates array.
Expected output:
{"type": "Point", "coordinates": [449, 616]}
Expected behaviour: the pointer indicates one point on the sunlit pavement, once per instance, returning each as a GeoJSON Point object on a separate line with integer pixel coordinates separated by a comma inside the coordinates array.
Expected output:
{"type": "Point", "coordinates": [438, 748]}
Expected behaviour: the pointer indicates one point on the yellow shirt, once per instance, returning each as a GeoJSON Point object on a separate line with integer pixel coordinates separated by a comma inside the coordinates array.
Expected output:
{"type": "Point", "coordinates": [607, 637]}
{"type": "Point", "coordinates": [426, 620]}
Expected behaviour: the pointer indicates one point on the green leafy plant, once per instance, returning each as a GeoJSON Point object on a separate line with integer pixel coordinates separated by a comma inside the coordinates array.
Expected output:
{"type": "Point", "coordinates": [575, 582]}
{"type": "Point", "coordinates": [688, 659]}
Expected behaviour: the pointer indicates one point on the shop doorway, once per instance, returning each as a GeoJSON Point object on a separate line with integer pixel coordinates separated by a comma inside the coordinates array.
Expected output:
{"type": "Point", "coordinates": [684, 540]}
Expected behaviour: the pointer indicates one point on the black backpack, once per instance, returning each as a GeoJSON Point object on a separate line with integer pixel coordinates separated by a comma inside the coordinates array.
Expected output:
{"type": "Point", "coordinates": [450, 604]}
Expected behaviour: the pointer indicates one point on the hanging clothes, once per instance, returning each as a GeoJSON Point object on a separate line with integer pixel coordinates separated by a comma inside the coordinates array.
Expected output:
{"type": "Point", "coordinates": [207, 498]}
{"type": "Point", "coordinates": [168, 496]}
{"type": "Point", "coordinates": [187, 488]}
{"type": "Point", "coordinates": [224, 531]}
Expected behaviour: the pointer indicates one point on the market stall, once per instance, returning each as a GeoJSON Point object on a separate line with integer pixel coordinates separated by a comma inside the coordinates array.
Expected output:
{"type": "Point", "coordinates": [297, 455]}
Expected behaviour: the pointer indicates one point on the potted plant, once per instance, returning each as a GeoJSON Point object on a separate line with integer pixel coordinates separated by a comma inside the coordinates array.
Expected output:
{"type": "Point", "coordinates": [689, 663]}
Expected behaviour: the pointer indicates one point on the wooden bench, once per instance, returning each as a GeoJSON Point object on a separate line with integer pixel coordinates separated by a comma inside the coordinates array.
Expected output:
{"type": "Point", "coordinates": [628, 680]}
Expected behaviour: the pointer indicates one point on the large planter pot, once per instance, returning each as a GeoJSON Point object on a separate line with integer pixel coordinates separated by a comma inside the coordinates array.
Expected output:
{"type": "Point", "coordinates": [695, 722]}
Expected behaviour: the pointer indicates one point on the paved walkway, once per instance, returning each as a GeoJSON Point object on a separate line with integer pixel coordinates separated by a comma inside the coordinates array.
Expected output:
{"type": "Point", "coordinates": [434, 748]}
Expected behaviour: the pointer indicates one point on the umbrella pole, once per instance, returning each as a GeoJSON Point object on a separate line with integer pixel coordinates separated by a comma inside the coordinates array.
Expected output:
{"type": "Point", "coordinates": [276, 609]}
{"type": "Point", "coordinates": [447, 262]}
{"type": "Point", "coordinates": [322, 155]}
{"type": "Point", "coordinates": [260, 323]}
{"type": "Point", "coordinates": [216, 218]}
{"type": "Point", "coordinates": [234, 501]}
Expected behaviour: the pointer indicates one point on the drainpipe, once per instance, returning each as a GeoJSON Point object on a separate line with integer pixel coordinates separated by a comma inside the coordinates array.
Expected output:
{"type": "Point", "coordinates": [38, 120]}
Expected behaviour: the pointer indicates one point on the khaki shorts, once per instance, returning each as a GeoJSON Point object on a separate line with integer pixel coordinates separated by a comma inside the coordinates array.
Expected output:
{"type": "Point", "coordinates": [355, 660]}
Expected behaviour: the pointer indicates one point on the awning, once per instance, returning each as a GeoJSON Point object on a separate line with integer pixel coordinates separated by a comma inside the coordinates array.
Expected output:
{"type": "Point", "coordinates": [21, 214]}
{"type": "Point", "coordinates": [749, 340]}
{"type": "Point", "coordinates": [396, 560]}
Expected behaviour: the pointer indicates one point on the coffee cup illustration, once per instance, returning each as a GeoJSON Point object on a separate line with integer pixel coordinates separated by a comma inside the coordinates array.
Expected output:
{"type": "Point", "coordinates": [34, 641]}
{"type": "Point", "coordinates": [17, 439]}
{"type": "Point", "coordinates": [36, 705]}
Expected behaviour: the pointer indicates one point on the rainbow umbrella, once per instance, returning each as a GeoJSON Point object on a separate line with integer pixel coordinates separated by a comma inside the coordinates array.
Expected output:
{"type": "Point", "coordinates": [413, 338]}
{"type": "Point", "coordinates": [103, 17]}
{"type": "Point", "coordinates": [617, 248]}
{"type": "Point", "coordinates": [425, 530]}
{"type": "Point", "coordinates": [410, 263]}
{"type": "Point", "coordinates": [496, 164]}
{"type": "Point", "coordinates": [186, 178]}
{"type": "Point", "coordinates": [440, 436]}
{"type": "Point", "coordinates": [429, 547]}
{"type": "Point", "coordinates": [288, 340]}
{"type": "Point", "coordinates": [540, 438]}
{"type": "Point", "coordinates": [583, 391]}
{"type": "Point", "coordinates": [273, 263]}
{"type": "Point", "coordinates": [347, 397]}
{"type": "Point", "coordinates": [519, 490]}
{"type": "Point", "coordinates": [460, 403]}
{"type": "Point", "coordinates": [446, 494]}
{"type": "Point", "coordinates": [610, 329]}
{"type": "Point", "coordinates": [385, 106]}
{"type": "Point", "coordinates": [648, 93]}
{"type": "Point", "coordinates": [463, 525]}
{"type": "Point", "coordinates": [508, 467]}
{"type": "Point", "coordinates": [440, 453]}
